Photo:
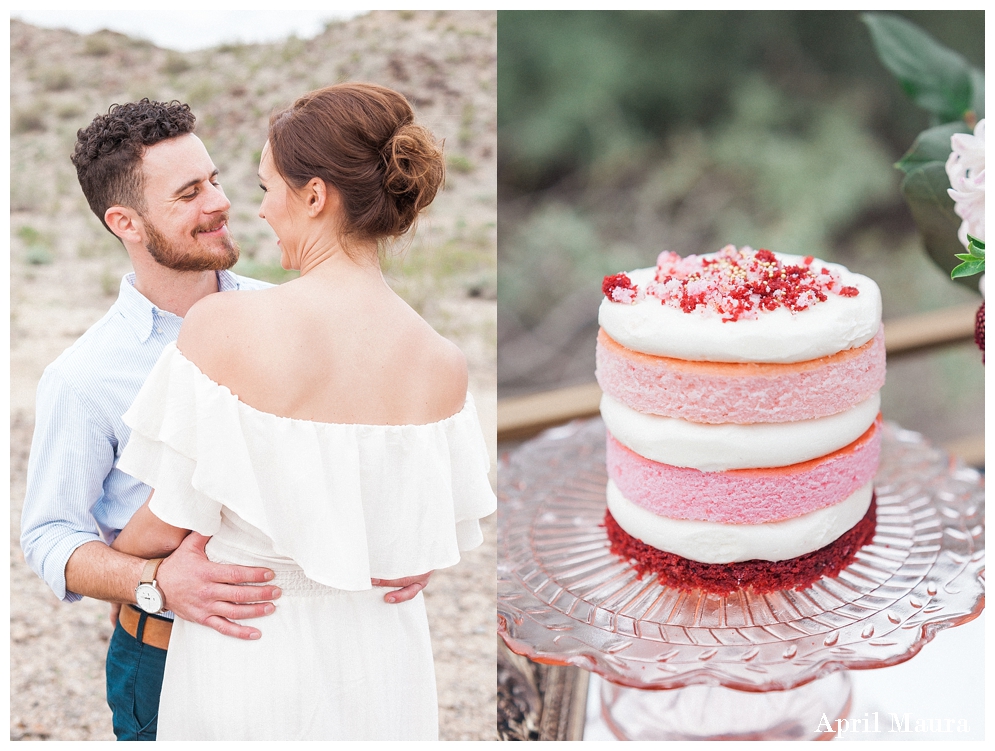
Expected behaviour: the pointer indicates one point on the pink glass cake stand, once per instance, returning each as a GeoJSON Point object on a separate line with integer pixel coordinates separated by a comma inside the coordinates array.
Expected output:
{"type": "Point", "coordinates": [744, 665]}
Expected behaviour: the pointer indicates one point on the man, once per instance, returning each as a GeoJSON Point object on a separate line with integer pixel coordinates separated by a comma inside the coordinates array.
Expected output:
{"type": "Point", "coordinates": [153, 185]}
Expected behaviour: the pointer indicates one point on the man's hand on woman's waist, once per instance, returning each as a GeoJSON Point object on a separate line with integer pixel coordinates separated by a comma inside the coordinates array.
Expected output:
{"type": "Point", "coordinates": [211, 594]}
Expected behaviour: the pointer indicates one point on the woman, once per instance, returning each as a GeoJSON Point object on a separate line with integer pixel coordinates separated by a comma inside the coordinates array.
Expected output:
{"type": "Point", "coordinates": [320, 428]}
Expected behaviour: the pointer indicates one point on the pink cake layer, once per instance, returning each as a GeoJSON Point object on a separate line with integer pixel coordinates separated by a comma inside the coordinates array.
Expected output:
{"type": "Point", "coordinates": [743, 393]}
{"type": "Point", "coordinates": [745, 496]}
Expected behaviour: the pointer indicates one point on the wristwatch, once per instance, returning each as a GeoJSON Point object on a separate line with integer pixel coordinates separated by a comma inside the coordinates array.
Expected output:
{"type": "Point", "coordinates": [148, 596]}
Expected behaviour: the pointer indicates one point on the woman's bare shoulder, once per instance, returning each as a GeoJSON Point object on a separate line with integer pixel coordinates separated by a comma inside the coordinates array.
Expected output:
{"type": "Point", "coordinates": [214, 328]}
{"type": "Point", "coordinates": [448, 374]}
{"type": "Point", "coordinates": [440, 364]}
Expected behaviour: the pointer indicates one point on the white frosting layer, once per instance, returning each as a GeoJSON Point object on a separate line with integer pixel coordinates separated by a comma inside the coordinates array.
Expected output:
{"type": "Point", "coordinates": [776, 336]}
{"type": "Point", "coordinates": [716, 448]}
{"type": "Point", "coordinates": [709, 542]}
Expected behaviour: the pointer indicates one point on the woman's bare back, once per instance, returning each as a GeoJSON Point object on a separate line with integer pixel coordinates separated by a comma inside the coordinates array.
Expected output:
{"type": "Point", "coordinates": [352, 354]}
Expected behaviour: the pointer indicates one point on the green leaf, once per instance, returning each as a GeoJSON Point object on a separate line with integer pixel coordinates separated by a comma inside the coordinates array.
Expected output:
{"type": "Point", "coordinates": [974, 259]}
{"type": "Point", "coordinates": [934, 77]}
{"type": "Point", "coordinates": [925, 191]}
{"type": "Point", "coordinates": [968, 268]}
{"type": "Point", "coordinates": [974, 253]}
{"type": "Point", "coordinates": [932, 145]}
{"type": "Point", "coordinates": [927, 185]}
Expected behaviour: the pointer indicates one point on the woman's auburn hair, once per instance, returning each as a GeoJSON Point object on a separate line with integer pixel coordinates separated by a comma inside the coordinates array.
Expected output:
{"type": "Point", "coordinates": [361, 139]}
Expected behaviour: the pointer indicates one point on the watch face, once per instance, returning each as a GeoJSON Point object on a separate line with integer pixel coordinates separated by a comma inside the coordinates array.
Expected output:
{"type": "Point", "coordinates": [148, 598]}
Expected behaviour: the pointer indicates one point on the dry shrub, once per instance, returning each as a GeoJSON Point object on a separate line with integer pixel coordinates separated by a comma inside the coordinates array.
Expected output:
{"type": "Point", "coordinates": [175, 64]}
{"type": "Point", "coordinates": [27, 121]}
{"type": "Point", "coordinates": [97, 45]}
{"type": "Point", "coordinates": [56, 79]}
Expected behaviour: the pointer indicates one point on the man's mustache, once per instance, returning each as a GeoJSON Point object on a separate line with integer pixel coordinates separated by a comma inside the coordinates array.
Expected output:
{"type": "Point", "coordinates": [212, 227]}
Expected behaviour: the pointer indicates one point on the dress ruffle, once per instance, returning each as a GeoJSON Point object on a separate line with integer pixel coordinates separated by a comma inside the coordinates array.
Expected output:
{"type": "Point", "coordinates": [346, 502]}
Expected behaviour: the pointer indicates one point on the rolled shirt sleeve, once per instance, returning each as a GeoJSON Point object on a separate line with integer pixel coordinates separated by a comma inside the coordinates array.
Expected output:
{"type": "Point", "coordinates": [75, 492]}
{"type": "Point", "coordinates": [72, 454]}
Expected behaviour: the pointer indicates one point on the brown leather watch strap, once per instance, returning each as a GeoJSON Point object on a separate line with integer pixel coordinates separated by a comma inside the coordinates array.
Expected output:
{"type": "Point", "coordinates": [150, 570]}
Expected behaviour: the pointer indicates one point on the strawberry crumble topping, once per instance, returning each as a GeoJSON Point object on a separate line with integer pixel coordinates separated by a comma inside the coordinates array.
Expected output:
{"type": "Point", "coordinates": [619, 288]}
{"type": "Point", "coordinates": [735, 283]}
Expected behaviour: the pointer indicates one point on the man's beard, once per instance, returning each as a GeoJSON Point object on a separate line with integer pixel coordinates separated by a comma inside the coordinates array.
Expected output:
{"type": "Point", "coordinates": [169, 255]}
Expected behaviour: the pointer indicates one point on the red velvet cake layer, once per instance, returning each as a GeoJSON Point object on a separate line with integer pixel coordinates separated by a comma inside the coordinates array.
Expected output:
{"type": "Point", "coordinates": [758, 576]}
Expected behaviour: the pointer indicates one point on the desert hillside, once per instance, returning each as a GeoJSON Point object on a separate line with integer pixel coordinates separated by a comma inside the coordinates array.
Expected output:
{"type": "Point", "coordinates": [65, 270]}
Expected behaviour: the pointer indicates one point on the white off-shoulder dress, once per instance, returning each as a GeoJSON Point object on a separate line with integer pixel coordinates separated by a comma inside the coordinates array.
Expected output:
{"type": "Point", "coordinates": [328, 507]}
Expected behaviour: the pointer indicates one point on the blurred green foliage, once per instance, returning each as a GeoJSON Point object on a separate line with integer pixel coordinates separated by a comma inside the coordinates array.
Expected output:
{"type": "Point", "coordinates": [459, 163]}
{"type": "Point", "coordinates": [576, 88]}
{"type": "Point", "coordinates": [273, 273]}
{"type": "Point", "coordinates": [937, 78]}
{"type": "Point", "coordinates": [623, 133]}
{"type": "Point", "coordinates": [37, 246]}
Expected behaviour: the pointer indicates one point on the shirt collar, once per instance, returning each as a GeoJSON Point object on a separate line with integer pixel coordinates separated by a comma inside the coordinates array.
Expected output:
{"type": "Point", "coordinates": [227, 281]}
{"type": "Point", "coordinates": [139, 312]}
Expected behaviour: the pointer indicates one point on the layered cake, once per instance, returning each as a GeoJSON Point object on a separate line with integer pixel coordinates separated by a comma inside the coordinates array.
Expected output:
{"type": "Point", "coordinates": [741, 401]}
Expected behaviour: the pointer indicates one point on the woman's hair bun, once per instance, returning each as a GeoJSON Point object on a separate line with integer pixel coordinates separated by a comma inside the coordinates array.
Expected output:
{"type": "Point", "coordinates": [414, 169]}
{"type": "Point", "coordinates": [362, 140]}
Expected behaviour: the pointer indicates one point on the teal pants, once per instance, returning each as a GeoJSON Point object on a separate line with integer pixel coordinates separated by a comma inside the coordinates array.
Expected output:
{"type": "Point", "coordinates": [134, 681]}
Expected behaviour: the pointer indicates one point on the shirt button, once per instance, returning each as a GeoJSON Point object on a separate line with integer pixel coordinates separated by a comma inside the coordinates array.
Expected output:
{"type": "Point", "coordinates": [158, 330]}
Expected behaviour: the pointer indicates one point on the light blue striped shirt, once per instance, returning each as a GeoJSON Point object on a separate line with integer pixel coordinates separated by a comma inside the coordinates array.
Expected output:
{"type": "Point", "coordinates": [75, 492]}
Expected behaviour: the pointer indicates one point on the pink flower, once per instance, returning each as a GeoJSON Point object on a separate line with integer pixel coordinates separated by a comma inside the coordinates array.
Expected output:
{"type": "Point", "coordinates": [966, 170]}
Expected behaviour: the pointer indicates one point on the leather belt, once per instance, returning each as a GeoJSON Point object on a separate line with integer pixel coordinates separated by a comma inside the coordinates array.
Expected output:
{"type": "Point", "coordinates": [156, 631]}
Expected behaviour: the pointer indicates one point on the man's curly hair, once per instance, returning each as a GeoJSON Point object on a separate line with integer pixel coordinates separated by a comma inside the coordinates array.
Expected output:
{"type": "Point", "coordinates": [108, 152]}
